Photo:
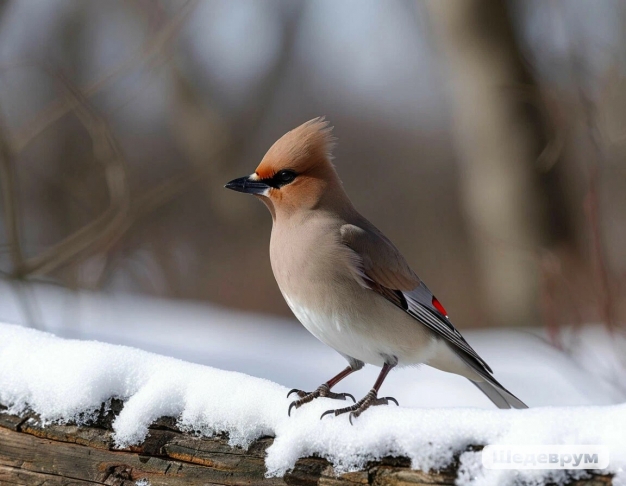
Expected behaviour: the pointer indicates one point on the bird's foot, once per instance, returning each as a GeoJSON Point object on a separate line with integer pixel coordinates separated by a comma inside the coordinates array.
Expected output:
{"type": "Point", "coordinates": [369, 400]}
{"type": "Point", "coordinates": [322, 391]}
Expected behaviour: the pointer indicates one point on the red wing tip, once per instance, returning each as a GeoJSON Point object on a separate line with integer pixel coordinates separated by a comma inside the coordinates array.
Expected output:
{"type": "Point", "coordinates": [437, 305]}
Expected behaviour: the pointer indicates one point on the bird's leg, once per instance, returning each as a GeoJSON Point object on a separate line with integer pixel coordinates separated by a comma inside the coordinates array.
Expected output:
{"type": "Point", "coordinates": [369, 400]}
{"type": "Point", "coordinates": [323, 390]}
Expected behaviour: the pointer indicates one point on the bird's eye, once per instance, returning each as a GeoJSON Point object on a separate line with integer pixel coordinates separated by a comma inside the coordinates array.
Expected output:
{"type": "Point", "coordinates": [285, 177]}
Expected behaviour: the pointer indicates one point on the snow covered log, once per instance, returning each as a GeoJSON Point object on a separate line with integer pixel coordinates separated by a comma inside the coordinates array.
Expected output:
{"type": "Point", "coordinates": [81, 455]}
{"type": "Point", "coordinates": [86, 412]}
{"type": "Point", "coordinates": [32, 454]}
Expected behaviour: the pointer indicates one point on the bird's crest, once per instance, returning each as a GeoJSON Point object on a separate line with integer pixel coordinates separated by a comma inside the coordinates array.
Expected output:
{"type": "Point", "coordinates": [301, 149]}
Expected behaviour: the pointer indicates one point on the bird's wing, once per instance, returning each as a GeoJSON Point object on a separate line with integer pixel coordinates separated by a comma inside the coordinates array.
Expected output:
{"type": "Point", "coordinates": [379, 259]}
{"type": "Point", "coordinates": [384, 270]}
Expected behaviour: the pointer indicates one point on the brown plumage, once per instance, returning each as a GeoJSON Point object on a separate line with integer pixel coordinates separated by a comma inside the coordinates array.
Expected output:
{"type": "Point", "coordinates": [345, 281]}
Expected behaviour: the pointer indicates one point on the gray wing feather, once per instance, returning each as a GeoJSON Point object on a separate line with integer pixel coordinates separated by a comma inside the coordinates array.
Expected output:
{"type": "Point", "coordinates": [381, 268]}
{"type": "Point", "coordinates": [384, 270]}
{"type": "Point", "coordinates": [419, 302]}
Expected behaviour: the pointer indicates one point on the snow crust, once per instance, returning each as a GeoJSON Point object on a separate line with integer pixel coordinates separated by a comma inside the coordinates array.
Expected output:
{"type": "Point", "coordinates": [64, 379]}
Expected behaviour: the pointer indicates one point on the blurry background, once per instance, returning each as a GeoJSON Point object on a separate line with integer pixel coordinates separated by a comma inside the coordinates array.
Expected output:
{"type": "Point", "coordinates": [485, 138]}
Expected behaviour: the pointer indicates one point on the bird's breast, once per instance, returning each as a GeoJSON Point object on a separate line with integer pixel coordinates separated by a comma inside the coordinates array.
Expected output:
{"type": "Point", "coordinates": [305, 257]}
{"type": "Point", "coordinates": [311, 267]}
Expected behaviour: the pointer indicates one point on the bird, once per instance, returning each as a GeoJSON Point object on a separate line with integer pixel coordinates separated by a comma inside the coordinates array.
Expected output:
{"type": "Point", "coordinates": [346, 282]}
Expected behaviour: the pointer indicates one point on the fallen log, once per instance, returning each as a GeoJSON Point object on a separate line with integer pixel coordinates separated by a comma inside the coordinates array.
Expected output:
{"type": "Point", "coordinates": [51, 455]}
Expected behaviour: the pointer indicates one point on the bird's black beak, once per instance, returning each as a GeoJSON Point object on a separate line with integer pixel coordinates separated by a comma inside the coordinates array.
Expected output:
{"type": "Point", "coordinates": [247, 185]}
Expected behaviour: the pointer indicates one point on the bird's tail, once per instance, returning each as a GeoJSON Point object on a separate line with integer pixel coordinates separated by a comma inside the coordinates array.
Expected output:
{"type": "Point", "coordinates": [500, 396]}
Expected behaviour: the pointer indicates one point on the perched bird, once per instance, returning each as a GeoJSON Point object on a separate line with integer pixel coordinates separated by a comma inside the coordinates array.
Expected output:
{"type": "Point", "coordinates": [346, 282]}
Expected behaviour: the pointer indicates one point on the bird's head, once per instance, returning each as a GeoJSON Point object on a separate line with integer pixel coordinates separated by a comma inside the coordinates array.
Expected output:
{"type": "Point", "coordinates": [296, 172]}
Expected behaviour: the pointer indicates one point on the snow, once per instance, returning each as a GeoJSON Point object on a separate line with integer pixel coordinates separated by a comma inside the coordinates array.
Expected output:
{"type": "Point", "coordinates": [66, 379]}
{"type": "Point", "coordinates": [283, 351]}
{"type": "Point", "coordinates": [572, 401]}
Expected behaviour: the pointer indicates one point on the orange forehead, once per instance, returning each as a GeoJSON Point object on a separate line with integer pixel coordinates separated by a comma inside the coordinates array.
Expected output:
{"type": "Point", "coordinates": [264, 171]}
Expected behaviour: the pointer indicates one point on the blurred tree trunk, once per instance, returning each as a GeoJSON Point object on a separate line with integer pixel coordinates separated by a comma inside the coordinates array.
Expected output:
{"type": "Point", "coordinates": [498, 145]}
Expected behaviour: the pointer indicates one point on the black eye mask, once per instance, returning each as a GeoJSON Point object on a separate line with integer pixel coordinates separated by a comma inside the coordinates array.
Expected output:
{"type": "Point", "coordinates": [281, 178]}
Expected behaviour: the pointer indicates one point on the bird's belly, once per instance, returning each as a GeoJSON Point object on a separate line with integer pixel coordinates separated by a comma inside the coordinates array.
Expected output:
{"type": "Point", "coordinates": [373, 333]}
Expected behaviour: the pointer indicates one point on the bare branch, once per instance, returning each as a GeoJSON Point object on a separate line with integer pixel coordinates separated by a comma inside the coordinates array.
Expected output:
{"type": "Point", "coordinates": [148, 52]}
{"type": "Point", "coordinates": [110, 225]}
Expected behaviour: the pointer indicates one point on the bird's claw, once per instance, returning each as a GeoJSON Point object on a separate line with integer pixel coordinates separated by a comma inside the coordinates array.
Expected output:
{"type": "Point", "coordinates": [342, 396]}
{"type": "Point", "coordinates": [327, 412]}
{"type": "Point", "coordinates": [322, 391]}
{"type": "Point", "coordinates": [391, 399]}
{"type": "Point", "coordinates": [300, 393]}
{"type": "Point", "coordinates": [291, 405]}
{"type": "Point", "coordinates": [370, 400]}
